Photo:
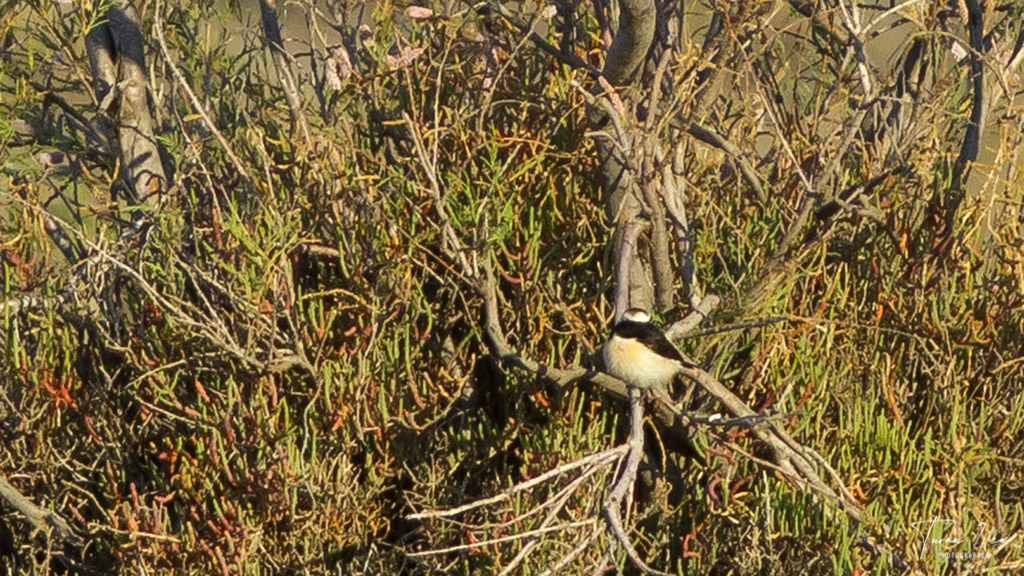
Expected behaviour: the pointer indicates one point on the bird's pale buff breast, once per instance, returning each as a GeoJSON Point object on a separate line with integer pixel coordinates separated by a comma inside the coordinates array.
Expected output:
{"type": "Point", "coordinates": [637, 365]}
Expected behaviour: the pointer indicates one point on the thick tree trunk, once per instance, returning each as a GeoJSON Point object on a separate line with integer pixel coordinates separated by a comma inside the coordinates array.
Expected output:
{"type": "Point", "coordinates": [140, 155]}
{"type": "Point", "coordinates": [632, 41]}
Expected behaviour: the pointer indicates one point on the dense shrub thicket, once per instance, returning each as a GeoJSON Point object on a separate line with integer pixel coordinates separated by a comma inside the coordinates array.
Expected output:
{"type": "Point", "coordinates": [270, 363]}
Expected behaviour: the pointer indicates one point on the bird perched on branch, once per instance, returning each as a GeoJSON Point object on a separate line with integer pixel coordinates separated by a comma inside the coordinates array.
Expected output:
{"type": "Point", "coordinates": [639, 354]}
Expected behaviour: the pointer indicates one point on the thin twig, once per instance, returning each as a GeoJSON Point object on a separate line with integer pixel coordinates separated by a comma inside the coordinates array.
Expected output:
{"type": "Point", "coordinates": [510, 538]}
{"type": "Point", "coordinates": [709, 136]}
{"type": "Point", "coordinates": [272, 31]}
{"type": "Point", "coordinates": [599, 458]}
{"type": "Point", "coordinates": [429, 166]}
{"type": "Point", "coordinates": [565, 58]}
{"type": "Point", "coordinates": [749, 422]}
{"type": "Point", "coordinates": [740, 325]}
{"type": "Point", "coordinates": [557, 504]}
{"type": "Point", "coordinates": [569, 556]}
{"type": "Point", "coordinates": [196, 104]}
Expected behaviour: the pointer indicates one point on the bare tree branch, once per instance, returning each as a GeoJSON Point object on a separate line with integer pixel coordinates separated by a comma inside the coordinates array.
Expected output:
{"type": "Point", "coordinates": [709, 136]}
{"type": "Point", "coordinates": [628, 233]}
{"type": "Point", "coordinates": [99, 46]}
{"type": "Point", "coordinates": [282, 61]}
{"type": "Point", "coordinates": [43, 520]}
{"type": "Point", "coordinates": [598, 459]}
{"type": "Point", "coordinates": [632, 40]}
{"type": "Point", "coordinates": [624, 484]}
{"type": "Point", "coordinates": [662, 272]}
{"type": "Point", "coordinates": [684, 327]}
{"type": "Point", "coordinates": [972, 138]}
{"type": "Point", "coordinates": [793, 459]}
{"type": "Point", "coordinates": [628, 51]}
{"type": "Point", "coordinates": [562, 56]}
{"type": "Point", "coordinates": [821, 20]}
{"type": "Point", "coordinates": [140, 153]}
{"type": "Point", "coordinates": [196, 104]}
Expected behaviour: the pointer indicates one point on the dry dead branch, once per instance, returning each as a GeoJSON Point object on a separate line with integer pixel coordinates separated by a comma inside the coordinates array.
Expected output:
{"type": "Point", "coordinates": [47, 523]}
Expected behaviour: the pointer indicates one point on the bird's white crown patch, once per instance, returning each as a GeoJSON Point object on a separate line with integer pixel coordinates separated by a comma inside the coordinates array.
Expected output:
{"type": "Point", "coordinates": [636, 315]}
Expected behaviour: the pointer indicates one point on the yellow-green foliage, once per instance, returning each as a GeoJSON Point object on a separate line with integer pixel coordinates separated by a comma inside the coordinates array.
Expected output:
{"type": "Point", "coordinates": [268, 379]}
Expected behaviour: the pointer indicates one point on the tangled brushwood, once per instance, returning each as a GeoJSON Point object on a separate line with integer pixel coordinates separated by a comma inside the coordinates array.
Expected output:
{"type": "Point", "coordinates": [321, 287]}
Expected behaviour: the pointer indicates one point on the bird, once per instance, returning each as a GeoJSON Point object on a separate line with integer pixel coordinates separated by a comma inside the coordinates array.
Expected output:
{"type": "Point", "coordinates": [639, 354]}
